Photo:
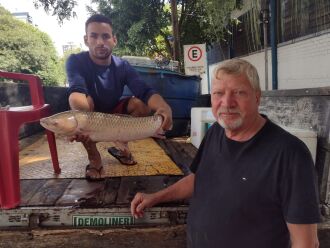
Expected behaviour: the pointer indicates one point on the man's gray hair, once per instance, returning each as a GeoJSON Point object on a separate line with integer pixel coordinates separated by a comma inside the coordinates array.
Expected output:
{"type": "Point", "coordinates": [239, 67]}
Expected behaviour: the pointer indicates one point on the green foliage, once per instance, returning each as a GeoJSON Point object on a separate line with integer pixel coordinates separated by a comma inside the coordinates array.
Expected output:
{"type": "Point", "coordinates": [137, 24]}
{"type": "Point", "coordinates": [23, 48]}
{"type": "Point", "coordinates": [63, 9]}
{"type": "Point", "coordinates": [193, 24]}
{"type": "Point", "coordinates": [143, 26]}
{"type": "Point", "coordinates": [252, 27]}
{"type": "Point", "coordinates": [218, 15]}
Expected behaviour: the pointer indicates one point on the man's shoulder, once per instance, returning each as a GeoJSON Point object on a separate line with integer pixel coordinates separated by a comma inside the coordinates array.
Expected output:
{"type": "Point", "coordinates": [79, 60]}
{"type": "Point", "coordinates": [118, 61]}
{"type": "Point", "coordinates": [82, 56]}
{"type": "Point", "coordinates": [283, 137]}
{"type": "Point", "coordinates": [279, 130]}
{"type": "Point", "coordinates": [80, 63]}
{"type": "Point", "coordinates": [214, 131]}
{"type": "Point", "coordinates": [123, 67]}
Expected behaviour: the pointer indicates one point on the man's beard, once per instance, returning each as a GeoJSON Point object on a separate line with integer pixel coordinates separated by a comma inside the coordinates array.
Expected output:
{"type": "Point", "coordinates": [233, 124]}
{"type": "Point", "coordinates": [103, 56]}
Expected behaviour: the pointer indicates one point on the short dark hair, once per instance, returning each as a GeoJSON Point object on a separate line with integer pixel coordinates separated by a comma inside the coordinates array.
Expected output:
{"type": "Point", "coordinates": [98, 18]}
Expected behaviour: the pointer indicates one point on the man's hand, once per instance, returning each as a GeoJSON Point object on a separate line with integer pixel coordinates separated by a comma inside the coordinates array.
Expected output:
{"type": "Point", "coordinates": [140, 202]}
{"type": "Point", "coordinates": [81, 138]}
{"type": "Point", "coordinates": [157, 103]}
{"type": "Point", "coordinates": [166, 113]}
{"type": "Point", "coordinates": [182, 189]}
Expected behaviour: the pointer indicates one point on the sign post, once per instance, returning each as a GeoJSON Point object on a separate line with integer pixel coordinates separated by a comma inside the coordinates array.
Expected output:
{"type": "Point", "coordinates": [195, 59]}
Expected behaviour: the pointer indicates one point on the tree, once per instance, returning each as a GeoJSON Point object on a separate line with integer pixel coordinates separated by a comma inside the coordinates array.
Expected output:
{"type": "Point", "coordinates": [23, 48]}
{"type": "Point", "coordinates": [144, 27]}
{"type": "Point", "coordinates": [138, 24]}
{"type": "Point", "coordinates": [63, 9]}
{"type": "Point", "coordinates": [218, 16]}
{"type": "Point", "coordinates": [193, 23]}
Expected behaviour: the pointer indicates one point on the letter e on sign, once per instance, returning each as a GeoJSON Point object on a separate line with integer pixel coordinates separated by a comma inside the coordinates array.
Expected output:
{"type": "Point", "coordinates": [195, 53]}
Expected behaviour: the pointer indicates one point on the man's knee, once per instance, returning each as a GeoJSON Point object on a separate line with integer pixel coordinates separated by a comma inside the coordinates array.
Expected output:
{"type": "Point", "coordinates": [136, 107]}
{"type": "Point", "coordinates": [79, 101]}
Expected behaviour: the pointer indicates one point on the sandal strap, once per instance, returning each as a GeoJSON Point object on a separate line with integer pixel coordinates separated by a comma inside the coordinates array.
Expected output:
{"type": "Point", "coordinates": [89, 167]}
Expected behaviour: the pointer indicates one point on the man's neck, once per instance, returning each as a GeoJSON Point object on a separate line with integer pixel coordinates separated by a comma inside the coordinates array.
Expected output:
{"type": "Point", "coordinates": [248, 132]}
{"type": "Point", "coordinates": [104, 62]}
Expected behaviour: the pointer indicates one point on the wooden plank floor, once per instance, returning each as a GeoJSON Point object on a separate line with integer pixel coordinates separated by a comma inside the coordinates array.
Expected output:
{"type": "Point", "coordinates": [110, 192]}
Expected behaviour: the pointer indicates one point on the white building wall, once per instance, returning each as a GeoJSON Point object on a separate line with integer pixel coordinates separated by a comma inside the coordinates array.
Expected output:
{"type": "Point", "coordinates": [204, 84]}
{"type": "Point", "coordinates": [302, 63]}
{"type": "Point", "coordinates": [305, 64]}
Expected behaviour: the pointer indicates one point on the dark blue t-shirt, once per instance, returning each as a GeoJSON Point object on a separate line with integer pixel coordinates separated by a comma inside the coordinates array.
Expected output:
{"type": "Point", "coordinates": [105, 84]}
{"type": "Point", "coordinates": [246, 192]}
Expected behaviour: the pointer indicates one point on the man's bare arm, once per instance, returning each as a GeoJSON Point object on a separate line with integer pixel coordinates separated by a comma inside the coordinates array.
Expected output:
{"type": "Point", "coordinates": [79, 101]}
{"type": "Point", "coordinates": [303, 235]}
{"type": "Point", "coordinates": [183, 189]}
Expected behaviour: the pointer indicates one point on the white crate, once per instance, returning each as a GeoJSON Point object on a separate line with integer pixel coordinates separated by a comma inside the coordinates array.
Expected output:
{"type": "Point", "coordinates": [309, 137]}
{"type": "Point", "coordinates": [199, 118]}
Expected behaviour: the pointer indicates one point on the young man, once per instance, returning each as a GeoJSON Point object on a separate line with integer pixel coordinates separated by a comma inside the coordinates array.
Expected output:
{"type": "Point", "coordinates": [96, 83]}
{"type": "Point", "coordinates": [252, 183]}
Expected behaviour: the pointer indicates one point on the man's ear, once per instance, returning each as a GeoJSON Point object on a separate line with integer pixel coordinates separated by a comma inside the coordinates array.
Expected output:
{"type": "Point", "coordinates": [258, 96]}
{"type": "Point", "coordinates": [115, 39]}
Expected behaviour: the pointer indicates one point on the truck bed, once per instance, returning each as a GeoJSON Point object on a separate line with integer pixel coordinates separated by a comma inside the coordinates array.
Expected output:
{"type": "Point", "coordinates": [75, 202]}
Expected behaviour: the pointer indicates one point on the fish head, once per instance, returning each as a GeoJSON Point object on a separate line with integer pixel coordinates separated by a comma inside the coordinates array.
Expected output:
{"type": "Point", "coordinates": [63, 123]}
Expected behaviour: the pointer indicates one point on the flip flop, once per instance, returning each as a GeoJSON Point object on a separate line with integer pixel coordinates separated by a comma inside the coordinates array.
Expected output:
{"type": "Point", "coordinates": [121, 158]}
{"type": "Point", "coordinates": [92, 179]}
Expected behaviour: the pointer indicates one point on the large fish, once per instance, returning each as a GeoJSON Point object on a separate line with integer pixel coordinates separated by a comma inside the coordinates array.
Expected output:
{"type": "Point", "coordinates": [103, 127]}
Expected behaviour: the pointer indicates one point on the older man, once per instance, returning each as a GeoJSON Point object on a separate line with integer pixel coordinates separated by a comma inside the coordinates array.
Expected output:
{"type": "Point", "coordinates": [252, 183]}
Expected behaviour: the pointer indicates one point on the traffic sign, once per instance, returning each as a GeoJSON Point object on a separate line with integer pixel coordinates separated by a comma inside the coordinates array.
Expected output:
{"type": "Point", "coordinates": [195, 59]}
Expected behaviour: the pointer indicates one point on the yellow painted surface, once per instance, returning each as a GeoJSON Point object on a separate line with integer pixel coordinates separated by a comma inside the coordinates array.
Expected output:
{"type": "Point", "coordinates": [35, 160]}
